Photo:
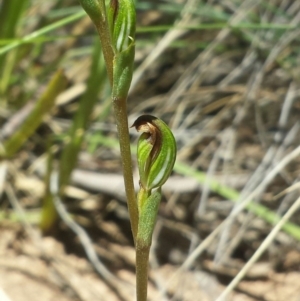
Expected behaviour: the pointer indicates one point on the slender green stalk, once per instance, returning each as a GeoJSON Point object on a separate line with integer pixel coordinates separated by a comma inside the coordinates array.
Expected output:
{"type": "Point", "coordinates": [143, 245]}
{"type": "Point", "coordinates": [107, 50]}
{"type": "Point", "coordinates": [97, 12]}
{"type": "Point", "coordinates": [148, 203]}
{"type": "Point", "coordinates": [142, 262]}
{"type": "Point", "coordinates": [115, 24]}
{"type": "Point", "coordinates": [120, 109]}
{"type": "Point", "coordinates": [122, 29]}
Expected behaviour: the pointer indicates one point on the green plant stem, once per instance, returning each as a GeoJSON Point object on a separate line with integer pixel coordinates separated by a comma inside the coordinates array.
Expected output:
{"type": "Point", "coordinates": [107, 49]}
{"type": "Point", "coordinates": [142, 259]}
{"type": "Point", "coordinates": [120, 110]}
{"type": "Point", "coordinates": [97, 12]}
{"type": "Point", "coordinates": [148, 203]}
{"type": "Point", "coordinates": [143, 244]}
{"type": "Point", "coordinates": [119, 68]}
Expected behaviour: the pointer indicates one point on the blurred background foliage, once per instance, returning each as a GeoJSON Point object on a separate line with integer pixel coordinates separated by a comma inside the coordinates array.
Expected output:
{"type": "Point", "coordinates": [223, 74]}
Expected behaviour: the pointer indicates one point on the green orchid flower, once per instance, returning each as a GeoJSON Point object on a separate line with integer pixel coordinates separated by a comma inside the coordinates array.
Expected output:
{"type": "Point", "coordinates": [156, 151]}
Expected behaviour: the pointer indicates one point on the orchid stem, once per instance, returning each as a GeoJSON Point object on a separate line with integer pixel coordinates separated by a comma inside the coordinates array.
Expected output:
{"type": "Point", "coordinates": [148, 203]}
{"type": "Point", "coordinates": [142, 259]}
{"type": "Point", "coordinates": [120, 110]}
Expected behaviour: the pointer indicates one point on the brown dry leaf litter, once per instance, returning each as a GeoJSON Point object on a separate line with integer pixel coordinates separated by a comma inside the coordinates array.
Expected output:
{"type": "Point", "coordinates": [40, 269]}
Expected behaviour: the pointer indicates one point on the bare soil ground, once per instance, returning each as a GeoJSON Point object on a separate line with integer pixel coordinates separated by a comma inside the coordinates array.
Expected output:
{"type": "Point", "coordinates": [231, 96]}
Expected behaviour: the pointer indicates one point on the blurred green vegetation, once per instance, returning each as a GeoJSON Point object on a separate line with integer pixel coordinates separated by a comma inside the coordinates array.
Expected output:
{"type": "Point", "coordinates": [38, 39]}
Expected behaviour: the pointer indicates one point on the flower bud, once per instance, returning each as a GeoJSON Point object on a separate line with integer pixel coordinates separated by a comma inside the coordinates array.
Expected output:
{"type": "Point", "coordinates": [121, 20]}
{"type": "Point", "coordinates": [115, 24]}
{"type": "Point", "coordinates": [94, 8]}
{"type": "Point", "coordinates": [156, 151]}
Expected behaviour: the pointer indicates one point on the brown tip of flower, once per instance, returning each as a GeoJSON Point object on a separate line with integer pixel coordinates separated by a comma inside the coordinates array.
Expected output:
{"type": "Point", "coordinates": [146, 124]}
{"type": "Point", "coordinates": [142, 120]}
